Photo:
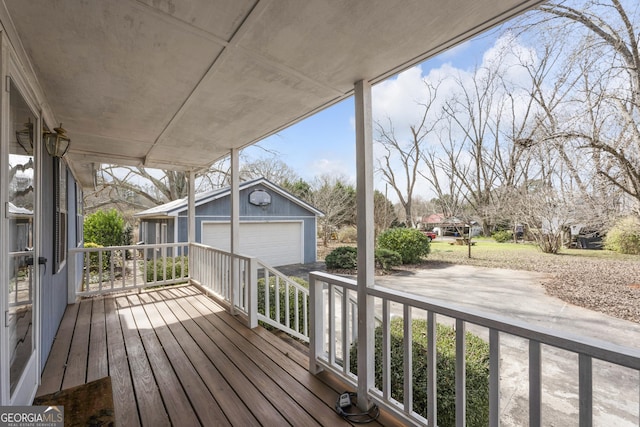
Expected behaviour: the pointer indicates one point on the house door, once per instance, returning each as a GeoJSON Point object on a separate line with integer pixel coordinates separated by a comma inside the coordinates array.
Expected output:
{"type": "Point", "coordinates": [20, 277]}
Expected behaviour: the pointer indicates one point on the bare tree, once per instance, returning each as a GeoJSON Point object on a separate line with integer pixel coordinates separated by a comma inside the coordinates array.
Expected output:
{"type": "Point", "coordinates": [271, 168]}
{"type": "Point", "coordinates": [134, 188]}
{"type": "Point", "coordinates": [546, 213]}
{"type": "Point", "coordinates": [336, 199]}
{"type": "Point", "coordinates": [605, 124]}
{"type": "Point", "coordinates": [405, 156]}
{"type": "Point", "coordinates": [482, 120]}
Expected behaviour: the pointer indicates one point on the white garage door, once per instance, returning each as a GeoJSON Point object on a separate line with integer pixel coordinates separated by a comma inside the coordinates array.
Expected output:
{"type": "Point", "coordinates": [276, 243]}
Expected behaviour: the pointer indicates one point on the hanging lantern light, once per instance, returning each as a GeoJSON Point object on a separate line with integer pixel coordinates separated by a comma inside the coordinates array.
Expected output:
{"type": "Point", "coordinates": [56, 143]}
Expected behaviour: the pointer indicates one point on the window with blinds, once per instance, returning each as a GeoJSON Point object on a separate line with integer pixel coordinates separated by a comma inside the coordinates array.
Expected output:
{"type": "Point", "coordinates": [60, 187]}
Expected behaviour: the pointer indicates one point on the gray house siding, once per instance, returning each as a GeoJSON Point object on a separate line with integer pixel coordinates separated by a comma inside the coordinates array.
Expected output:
{"type": "Point", "coordinates": [153, 236]}
{"type": "Point", "coordinates": [53, 292]}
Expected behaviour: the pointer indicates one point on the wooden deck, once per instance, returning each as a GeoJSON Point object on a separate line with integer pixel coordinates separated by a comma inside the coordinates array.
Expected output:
{"type": "Point", "coordinates": [175, 357]}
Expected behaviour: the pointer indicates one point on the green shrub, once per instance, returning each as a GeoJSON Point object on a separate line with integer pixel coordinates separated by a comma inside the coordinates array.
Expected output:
{"type": "Point", "coordinates": [477, 371]}
{"type": "Point", "coordinates": [411, 244]}
{"type": "Point", "coordinates": [346, 257]}
{"type": "Point", "coordinates": [503, 236]}
{"type": "Point", "coordinates": [343, 257]}
{"type": "Point", "coordinates": [164, 267]}
{"type": "Point", "coordinates": [281, 316]}
{"type": "Point", "coordinates": [94, 258]}
{"type": "Point", "coordinates": [127, 239]}
{"type": "Point", "coordinates": [387, 259]}
{"type": "Point", "coordinates": [624, 236]}
{"type": "Point", "coordinates": [104, 228]}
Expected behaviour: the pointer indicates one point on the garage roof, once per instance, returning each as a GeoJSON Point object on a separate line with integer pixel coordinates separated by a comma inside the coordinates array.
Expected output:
{"type": "Point", "coordinates": [176, 85]}
{"type": "Point", "coordinates": [177, 206]}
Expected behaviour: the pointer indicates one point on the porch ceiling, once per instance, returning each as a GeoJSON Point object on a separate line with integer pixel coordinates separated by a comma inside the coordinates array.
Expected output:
{"type": "Point", "coordinates": [176, 85]}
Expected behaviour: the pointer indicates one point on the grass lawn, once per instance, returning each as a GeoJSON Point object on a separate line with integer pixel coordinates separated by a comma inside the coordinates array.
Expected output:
{"type": "Point", "coordinates": [518, 256]}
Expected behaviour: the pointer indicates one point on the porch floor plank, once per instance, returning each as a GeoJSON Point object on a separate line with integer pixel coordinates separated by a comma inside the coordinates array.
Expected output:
{"type": "Point", "coordinates": [98, 365]}
{"type": "Point", "coordinates": [57, 361]}
{"type": "Point", "coordinates": [268, 403]}
{"type": "Point", "coordinates": [176, 348]}
{"type": "Point", "coordinates": [124, 399]}
{"type": "Point", "coordinates": [176, 357]}
{"type": "Point", "coordinates": [76, 372]}
{"type": "Point", "coordinates": [150, 404]}
{"type": "Point", "coordinates": [297, 383]}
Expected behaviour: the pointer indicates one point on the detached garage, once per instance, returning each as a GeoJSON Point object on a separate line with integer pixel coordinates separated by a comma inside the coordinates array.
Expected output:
{"type": "Point", "coordinates": [275, 226]}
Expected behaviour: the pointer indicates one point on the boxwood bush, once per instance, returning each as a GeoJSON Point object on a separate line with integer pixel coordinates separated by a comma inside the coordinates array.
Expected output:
{"type": "Point", "coordinates": [624, 236]}
{"type": "Point", "coordinates": [163, 268]}
{"type": "Point", "coordinates": [411, 244]}
{"type": "Point", "coordinates": [346, 257]}
{"type": "Point", "coordinates": [477, 371]}
{"type": "Point", "coordinates": [503, 236]}
{"type": "Point", "coordinates": [387, 259]}
{"type": "Point", "coordinates": [343, 257]}
{"type": "Point", "coordinates": [94, 258]}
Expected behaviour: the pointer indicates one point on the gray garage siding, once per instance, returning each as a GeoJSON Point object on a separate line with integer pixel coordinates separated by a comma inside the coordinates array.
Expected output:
{"type": "Point", "coordinates": [216, 207]}
{"type": "Point", "coordinates": [280, 209]}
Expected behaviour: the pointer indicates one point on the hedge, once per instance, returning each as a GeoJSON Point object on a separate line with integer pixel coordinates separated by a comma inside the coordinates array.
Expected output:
{"type": "Point", "coordinates": [477, 371]}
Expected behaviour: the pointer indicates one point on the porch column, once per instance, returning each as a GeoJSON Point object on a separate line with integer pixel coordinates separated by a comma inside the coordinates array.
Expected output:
{"type": "Point", "coordinates": [191, 219]}
{"type": "Point", "coordinates": [192, 207]}
{"type": "Point", "coordinates": [366, 266]}
{"type": "Point", "coordinates": [234, 295]}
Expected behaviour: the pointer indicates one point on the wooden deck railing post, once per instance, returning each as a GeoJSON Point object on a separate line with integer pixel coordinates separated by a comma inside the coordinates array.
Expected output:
{"type": "Point", "coordinates": [252, 304]}
{"type": "Point", "coordinates": [316, 316]}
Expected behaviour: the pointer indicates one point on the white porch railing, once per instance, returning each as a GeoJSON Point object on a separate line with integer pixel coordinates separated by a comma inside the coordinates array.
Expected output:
{"type": "Point", "coordinates": [276, 300]}
{"type": "Point", "coordinates": [20, 278]}
{"type": "Point", "coordinates": [95, 271]}
{"type": "Point", "coordinates": [331, 322]}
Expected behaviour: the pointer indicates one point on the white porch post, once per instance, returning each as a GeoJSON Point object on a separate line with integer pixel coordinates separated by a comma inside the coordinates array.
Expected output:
{"type": "Point", "coordinates": [191, 218]}
{"type": "Point", "coordinates": [235, 228]}
{"type": "Point", "coordinates": [366, 266]}
{"type": "Point", "coordinates": [192, 206]}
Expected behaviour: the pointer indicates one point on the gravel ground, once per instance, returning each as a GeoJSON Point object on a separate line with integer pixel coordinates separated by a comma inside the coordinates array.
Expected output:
{"type": "Point", "coordinates": [610, 286]}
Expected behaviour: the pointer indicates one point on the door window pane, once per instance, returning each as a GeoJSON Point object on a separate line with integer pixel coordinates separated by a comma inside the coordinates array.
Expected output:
{"type": "Point", "coordinates": [21, 208]}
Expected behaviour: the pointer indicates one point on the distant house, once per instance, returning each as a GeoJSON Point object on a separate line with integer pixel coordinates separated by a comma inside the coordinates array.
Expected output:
{"type": "Point", "coordinates": [449, 226]}
{"type": "Point", "coordinates": [275, 226]}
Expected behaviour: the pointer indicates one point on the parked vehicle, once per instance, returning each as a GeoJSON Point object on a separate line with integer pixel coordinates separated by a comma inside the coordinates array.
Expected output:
{"type": "Point", "coordinates": [430, 234]}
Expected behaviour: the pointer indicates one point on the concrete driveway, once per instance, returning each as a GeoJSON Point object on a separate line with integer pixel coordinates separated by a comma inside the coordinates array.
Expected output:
{"type": "Point", "coordinates": [519, 294]}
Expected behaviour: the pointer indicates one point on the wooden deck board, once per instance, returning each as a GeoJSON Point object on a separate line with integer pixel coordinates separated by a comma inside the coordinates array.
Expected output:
{"type": "Point", "coordinates": [253, 386]}
{"type": "Point", "coordinates": [207, 408]}
{"type": "Point", "coordinates": [97, 365]}
{"type": "Point", "coordinates": [150, 404]}
{"type": "Point", "coordinates": [124, 400]}
{"type": "Point", "coordinates": [297, 383]}
{"type": "Point", "coordinates": [54, 369]}
{"type": "Point", "coordinates": [175, 357]}
{"type": "Point", "coordinates": [179, 408]}
{"type": "Point", "coordinates": [76, 372]}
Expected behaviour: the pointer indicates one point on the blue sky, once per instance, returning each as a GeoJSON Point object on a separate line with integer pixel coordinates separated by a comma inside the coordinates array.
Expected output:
{"type": "Point", "coordinates": [329, 136]}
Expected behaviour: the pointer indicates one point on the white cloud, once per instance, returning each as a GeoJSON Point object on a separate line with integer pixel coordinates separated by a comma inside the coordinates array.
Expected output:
{"type": "Point", "coordinates": [334, 167]}
{"type": "Point", "coordinates": [398, 98]}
